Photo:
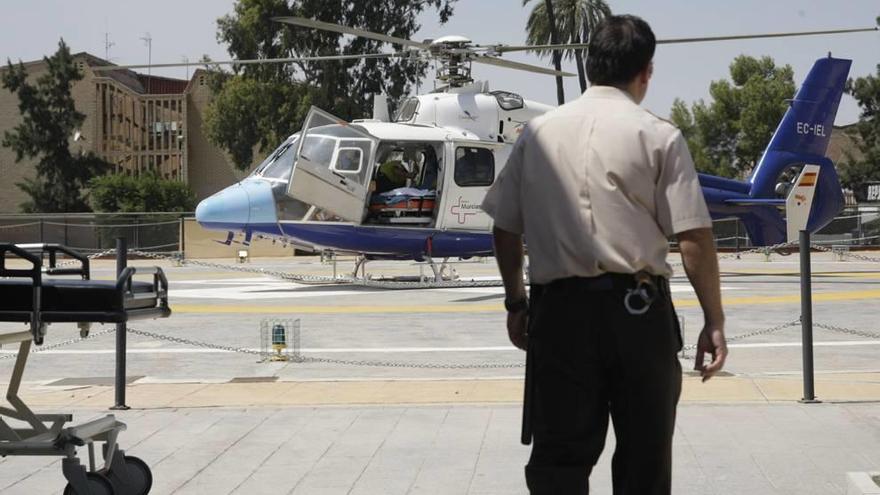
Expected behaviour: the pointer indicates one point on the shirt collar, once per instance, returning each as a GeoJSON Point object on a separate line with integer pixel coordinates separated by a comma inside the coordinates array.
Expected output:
{"type": "Point", "coordinates": [607, 92]}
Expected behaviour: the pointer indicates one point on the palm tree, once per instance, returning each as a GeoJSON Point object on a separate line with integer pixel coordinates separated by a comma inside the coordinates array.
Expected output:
{"type": "Point", "coordinates": [550, 18]}
{"type": "Point", "coordinates": [575, 21]}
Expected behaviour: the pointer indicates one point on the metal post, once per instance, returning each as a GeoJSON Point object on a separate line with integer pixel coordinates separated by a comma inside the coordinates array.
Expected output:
{"type": "Point", "coordinates": [807, 319]}
{"type": "Point", "coordinates": [182, 237]}
{"type": "Point", "coordinates": [737, 238]}
{"type": "Point", "coordinates": [121, 330]}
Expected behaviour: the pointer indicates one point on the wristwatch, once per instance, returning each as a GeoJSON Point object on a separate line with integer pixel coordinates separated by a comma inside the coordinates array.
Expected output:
{"type": "Point", "coordinates": [517, 305]}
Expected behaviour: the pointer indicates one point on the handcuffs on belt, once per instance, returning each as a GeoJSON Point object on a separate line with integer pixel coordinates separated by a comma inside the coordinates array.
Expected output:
{"type": "Point", "coordinates": [644, 293]}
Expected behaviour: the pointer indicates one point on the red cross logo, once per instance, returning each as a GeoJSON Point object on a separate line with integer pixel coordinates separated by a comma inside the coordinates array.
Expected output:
{"type": "Point", "coordinates": [462, 215]}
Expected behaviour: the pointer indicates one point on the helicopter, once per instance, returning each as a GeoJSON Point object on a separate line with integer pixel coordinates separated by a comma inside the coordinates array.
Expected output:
{"type": "Point", "coordinates": [322, 188]}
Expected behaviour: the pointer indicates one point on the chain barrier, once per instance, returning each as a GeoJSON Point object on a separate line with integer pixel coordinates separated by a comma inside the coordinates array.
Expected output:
{"type": "Point", "coordinates": [757, 250]}
{"type": "Point", "coordinates": [849, 254]}
{"type": "Point", "coordinates": [848, 331]}
{"type": "Point", "coordinates": [99, 254]}
{"type": "Point", "coordinates": [298, 358]}
{"type": "Point", "coordinates": [49, 347]}
{"type": "Point", "coordinates": [777, 247]}
{"type": "Point", "coordinates": [755, 333]}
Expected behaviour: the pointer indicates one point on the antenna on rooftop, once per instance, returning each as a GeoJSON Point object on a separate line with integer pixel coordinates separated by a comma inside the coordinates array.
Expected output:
{"type": "Point", "coordinates": [148, 41]}
{"type": "Point", "coordinates": [186, 61]}
{"type": "Point", "coordinates": [107, 43]}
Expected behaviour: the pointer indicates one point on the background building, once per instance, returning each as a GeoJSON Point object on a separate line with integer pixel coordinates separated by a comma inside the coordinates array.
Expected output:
{"type": "Point", "coordinates": [134, 121]}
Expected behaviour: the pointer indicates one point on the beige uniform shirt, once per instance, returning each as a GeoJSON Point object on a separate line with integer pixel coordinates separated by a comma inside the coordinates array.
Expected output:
{"type": "Point", "coordinates": [596, 186]}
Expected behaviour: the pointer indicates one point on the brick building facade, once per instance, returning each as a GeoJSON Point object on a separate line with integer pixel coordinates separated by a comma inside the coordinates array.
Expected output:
{"type": "Point", "coordinates": [134, 121]}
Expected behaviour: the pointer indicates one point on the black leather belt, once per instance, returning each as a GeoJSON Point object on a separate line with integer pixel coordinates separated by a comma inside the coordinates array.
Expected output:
{"type": "Point", "coordinates": [606, 281]}
{"type": "Point", "coordinates": [640, 289]}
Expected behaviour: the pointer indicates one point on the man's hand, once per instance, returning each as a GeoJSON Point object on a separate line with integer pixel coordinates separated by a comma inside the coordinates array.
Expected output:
{"type": "Point", "coordinates": [711, 341]}
{"type": "Point", "coordinates": [517, 323]}
{"type": "Point", "coordinates": [509, 255]}
{"type": "Point", "coordinates": [701, 265]}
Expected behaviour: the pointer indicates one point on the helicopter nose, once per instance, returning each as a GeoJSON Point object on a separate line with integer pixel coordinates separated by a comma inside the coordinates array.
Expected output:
{"type": "Point", "coordinates": [229, 208]}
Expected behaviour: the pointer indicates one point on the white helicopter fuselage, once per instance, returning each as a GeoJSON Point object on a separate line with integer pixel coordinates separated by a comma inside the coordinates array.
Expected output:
{"type": "Point", "coordinates": [455, 142]}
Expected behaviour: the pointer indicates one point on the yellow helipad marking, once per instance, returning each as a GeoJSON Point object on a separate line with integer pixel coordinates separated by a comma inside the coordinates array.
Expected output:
{"type": "Point", "coordinates": [854, 295]}
{"type": "Point", "coordinates": [840, 387]}
{"type": "Point", "coordinates": [280, 308]}
{"type": "Point", "coordinates": [795, 273]}
{"type": "Point", "coordinates": [494, 307]}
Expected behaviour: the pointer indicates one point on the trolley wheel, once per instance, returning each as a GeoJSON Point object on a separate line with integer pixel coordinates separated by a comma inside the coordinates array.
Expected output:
{"type": "Point", "coordinates": [98, 485]}
{"type": "Point", "coordinates": [139, 476]}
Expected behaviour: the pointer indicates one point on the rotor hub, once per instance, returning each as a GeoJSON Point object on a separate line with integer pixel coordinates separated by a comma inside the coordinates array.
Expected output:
{"type": "Point", "coordinates": [454, 54]}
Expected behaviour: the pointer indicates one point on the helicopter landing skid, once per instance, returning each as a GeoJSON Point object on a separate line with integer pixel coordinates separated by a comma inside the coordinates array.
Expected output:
{"type": "Point", "coordinates": [440, 272]}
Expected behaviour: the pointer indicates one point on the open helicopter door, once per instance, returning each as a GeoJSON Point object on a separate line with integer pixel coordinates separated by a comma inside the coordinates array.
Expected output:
{"type": "Point", "coordinates": [333, 166]}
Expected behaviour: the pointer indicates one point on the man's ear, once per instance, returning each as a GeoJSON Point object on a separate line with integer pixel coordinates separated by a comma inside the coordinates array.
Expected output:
{"type": "Point", "coordinates": [646, 73]}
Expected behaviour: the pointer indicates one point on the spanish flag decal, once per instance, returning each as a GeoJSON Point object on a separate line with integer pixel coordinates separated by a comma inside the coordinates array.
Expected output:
{"type": "Point", "coordinates": [808, 180]}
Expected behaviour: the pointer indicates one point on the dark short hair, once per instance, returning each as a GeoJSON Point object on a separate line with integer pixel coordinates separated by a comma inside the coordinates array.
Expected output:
{"type": "Point", "coordinates": [620, 47]}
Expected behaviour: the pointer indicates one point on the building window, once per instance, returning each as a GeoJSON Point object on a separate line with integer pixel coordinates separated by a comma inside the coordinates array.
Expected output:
{"type": "Point", "coordinates": [474, 167]}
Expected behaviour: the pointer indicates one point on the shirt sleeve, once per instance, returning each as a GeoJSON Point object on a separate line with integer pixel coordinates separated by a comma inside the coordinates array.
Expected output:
{"type": "Point", "coordinates": [503, 200]}
{"type": "Point", "coordinates": [679, 197]}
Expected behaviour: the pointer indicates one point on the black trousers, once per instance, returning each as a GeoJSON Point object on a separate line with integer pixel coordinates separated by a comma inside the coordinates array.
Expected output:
{"type": "Point", "coordinates": [592, 359]}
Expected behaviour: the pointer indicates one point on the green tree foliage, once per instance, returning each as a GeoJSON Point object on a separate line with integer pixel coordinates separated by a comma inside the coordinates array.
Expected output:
{"type": "Point", "coordinates": [576, 20]}
{"type": "Point", "coordinates": [864, 166]}
{"type": "Point", "coordinates": [49, 120]}
{"type": "Point", "coordinates": [258, 106]}
{"type": "Point", "coordinates": [118, 193]}
{"type": "Point", "coordinates": [728, 136]}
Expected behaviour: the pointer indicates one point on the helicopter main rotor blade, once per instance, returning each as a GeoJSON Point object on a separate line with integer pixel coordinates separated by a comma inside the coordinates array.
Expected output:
{"type": "Point", "coordinates": [255, 61]}
{"type": "Point", "coordinates": [584, 46]}
{"type": "Point", "coordinates": [509, 64]}
{"type": "Point", "coordinates": [336, 28]}
{"type": "Point", "coordinates": [522, 48]}
{"type": "Point", "coordinates": [765, 35]}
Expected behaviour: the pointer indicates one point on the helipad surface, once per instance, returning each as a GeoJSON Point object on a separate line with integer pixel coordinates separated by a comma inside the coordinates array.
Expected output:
{"type": "Point", "coordinates": [439, 421]}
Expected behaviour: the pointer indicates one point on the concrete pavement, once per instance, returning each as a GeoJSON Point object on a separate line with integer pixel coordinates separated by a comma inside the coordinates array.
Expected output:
{"type": "Point", "coordinates": [211, 422]}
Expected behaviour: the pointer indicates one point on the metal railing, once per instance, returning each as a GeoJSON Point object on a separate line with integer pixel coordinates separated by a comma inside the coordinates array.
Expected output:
{"type": "Point", "coordinates": [162, 232]}
{"type": "Point", "coordinates": [93, 232]}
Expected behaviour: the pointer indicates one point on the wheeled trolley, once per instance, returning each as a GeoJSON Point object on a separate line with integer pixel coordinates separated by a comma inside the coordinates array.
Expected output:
{"type": "Point", "coordinates": [27, 296]}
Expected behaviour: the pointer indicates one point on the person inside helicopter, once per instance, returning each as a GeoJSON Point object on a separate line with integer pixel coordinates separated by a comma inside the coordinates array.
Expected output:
{"type": "Point", "coordinates": [405, 183]}
{"type": "Point", "coordinates": [396, 168]}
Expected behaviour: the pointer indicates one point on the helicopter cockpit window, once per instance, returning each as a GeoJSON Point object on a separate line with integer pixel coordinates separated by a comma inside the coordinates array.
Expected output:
{"type": "Point", "coordinates": [474, 167]}
{"type": "Point", "coordinates": [269, 161]}
{"type": "Point", "coordinates": [279, 163]}
{"type": "Point", "coordinates": [280, 167]}
{"type": "Point", "coordinates": [507, 100]}
{"type": "Point", "coordinates": [407, 110]}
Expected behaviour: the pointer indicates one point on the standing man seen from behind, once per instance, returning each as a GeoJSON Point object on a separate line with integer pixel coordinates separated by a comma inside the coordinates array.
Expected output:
{"type": "Point", "coordinates": [596, 187]}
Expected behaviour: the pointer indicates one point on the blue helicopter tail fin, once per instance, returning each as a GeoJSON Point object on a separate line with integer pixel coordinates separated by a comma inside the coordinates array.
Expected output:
{"type": "Point", "coordinates": [802, 138]}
